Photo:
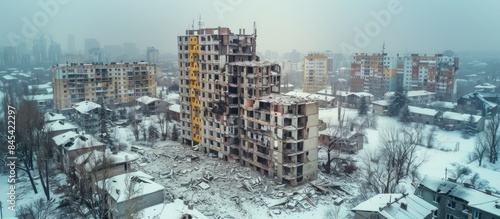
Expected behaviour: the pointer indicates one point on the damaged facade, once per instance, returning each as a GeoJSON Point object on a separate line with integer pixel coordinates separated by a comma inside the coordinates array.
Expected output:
{"type": "Point", "coordinates": [231, 107]}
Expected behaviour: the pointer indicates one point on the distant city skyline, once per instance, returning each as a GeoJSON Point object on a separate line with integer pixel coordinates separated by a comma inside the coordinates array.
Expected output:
{"type": "Point", "coordinates": [313, 26]}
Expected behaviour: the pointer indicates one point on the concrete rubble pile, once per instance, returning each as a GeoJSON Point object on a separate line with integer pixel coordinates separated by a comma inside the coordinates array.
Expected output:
{"type": "Point", "coordinates": [204, 180]}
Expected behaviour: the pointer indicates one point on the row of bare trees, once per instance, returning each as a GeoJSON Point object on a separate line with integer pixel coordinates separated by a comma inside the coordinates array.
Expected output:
{"type": "Point", "coordinates": [487, 143]}
{"type": "Point", "coordinates": [397, 157]}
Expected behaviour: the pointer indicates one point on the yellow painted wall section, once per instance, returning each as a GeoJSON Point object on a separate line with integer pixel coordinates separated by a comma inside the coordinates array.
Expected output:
{"type": "Point", "coordinates": [194, 88]}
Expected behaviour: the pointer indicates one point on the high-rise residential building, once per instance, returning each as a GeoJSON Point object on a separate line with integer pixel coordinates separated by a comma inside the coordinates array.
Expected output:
{"type": "Point", "coordinates": [152, 55]}
{"type": "Point", "coordinates": [40, 49]}
{"type": "Point", "coordinates": [71, 44]}
{"type": "Point", "coordinates": [91, 44]}
{"type": "Point", "coordinates": [434, 73]}
{"type": "Point", "coordinates": [315, 73]}
{"type": "Point", "coordinates": [54, 53]}
{"type": "Point", "coordinates": [381, 73]}
{"type": "Point", "coordinates": [373, 73]}
{"type": "Point", "coordinates": [9, 56]}
{"type": "Point", "coordinates": [231, 107]}
{"type": "Point", "coordinates": [113, 83]}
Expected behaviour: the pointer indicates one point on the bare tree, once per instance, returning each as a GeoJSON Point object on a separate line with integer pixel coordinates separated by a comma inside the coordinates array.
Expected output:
{"type": "Point", "coordinates": [38, 209]}
{"type": "Point", "coordinates": [481, 147]}
{"type": "Point", "coordinates": [492, 137]}
{"type": "Point", "coordinates": [431, 137]}
{"type": "Point", "coordinates": [42, 159]}
{"type": "Point", "coordinates": [395, 159]}
{"type": "Point", "coordinates": [335, 212]}
{"type": "Point", "coordinates": [134, 124]}
{"type": "Point", "coordinates": [336, 140]}
{"type": "Point", "coordinates": [161, 119]}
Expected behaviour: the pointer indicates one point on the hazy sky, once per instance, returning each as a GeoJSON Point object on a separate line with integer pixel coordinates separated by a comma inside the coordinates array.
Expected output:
{"type": "Point", "coordinates": [423, 26]}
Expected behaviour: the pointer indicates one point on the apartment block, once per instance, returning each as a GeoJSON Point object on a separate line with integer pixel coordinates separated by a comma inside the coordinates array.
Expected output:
{"type": "Point", "coordinates": [373, 73]}
{"type": "Point", "coordinates": [113, 83]}
{"type": "Point", "coordinates": [231, 107]}
{"type": "Point", "coordinates": [315, 73]}
{"type": "Point", "coordinates": [381, 73]}
{"type": "Point", "coordinates": [458, 200]}
{"type": "Point", "coordinates": [433, 73]}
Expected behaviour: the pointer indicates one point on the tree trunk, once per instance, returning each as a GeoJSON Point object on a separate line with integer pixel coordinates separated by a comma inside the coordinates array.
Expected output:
{"type": "Point", "coordinates": [30, 177]}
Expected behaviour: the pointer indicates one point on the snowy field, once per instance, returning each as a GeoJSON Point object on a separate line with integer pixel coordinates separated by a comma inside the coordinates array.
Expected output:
{"type": "Point", "coordinates": [181, 170]}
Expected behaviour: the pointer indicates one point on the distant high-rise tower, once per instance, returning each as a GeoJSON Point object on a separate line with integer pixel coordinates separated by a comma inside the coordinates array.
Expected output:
{"type": "Point", "coordinates": [91, 44]}
{"type": "Point", "coordinates": [152, 54]}
{"type": "Point", "coordinates": [71, 44]}
{"type": "Point", "coordinates": [231, 107]}
{"type": "Point", "coordinates": [315, 73]}
{"type": "Point", "coordinates": [373, 73]}
{"type": "Point", "coordinates": [54, 52]}
{"type": "Point", "coordinates": [40, 49]}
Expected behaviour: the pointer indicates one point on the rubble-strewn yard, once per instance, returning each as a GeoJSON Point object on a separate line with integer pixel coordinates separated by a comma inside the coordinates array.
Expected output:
{"type": "Point", "coordinates": [221, 189]}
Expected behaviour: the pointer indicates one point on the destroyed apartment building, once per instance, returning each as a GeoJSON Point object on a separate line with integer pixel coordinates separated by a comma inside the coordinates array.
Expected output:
{"type": "Point", "coordinates": [231, 107]}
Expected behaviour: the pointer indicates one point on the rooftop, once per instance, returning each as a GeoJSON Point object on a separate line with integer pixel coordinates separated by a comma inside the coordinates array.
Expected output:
{"type": "Point", "coordinates": [381, 103]}
{"type": "Point", "coordinates": [64, 137]}
{"type": "Point", "coordinates": [475, 198]}
{"type": "Point", "coordinates": [86, 106]}
{"type": "Point", "coordinates": [49, 117]}
{"type": "Point", "coordinates": [415, 207]}
{"type": "Point", "coordinates": [460, 117]}
{"type": "Point", "coordinates": [423, 111]}
{"type": "Point", "coordinates": [59, 125]}
{"type": "Point", "coordinates": [118, 186]}
{"type": "Point", "coordinates": [94, 158]}
{"type": "Point", "coordinates": [485, 86]}
{"type": "Point", "coordinates": [147, 100]}
{"type": "Point", "coordinates": [252, 63]}
{"type": "Point", "coordinates": [175, 108]}
{"type": "Point", "coordinates": [82, 141]}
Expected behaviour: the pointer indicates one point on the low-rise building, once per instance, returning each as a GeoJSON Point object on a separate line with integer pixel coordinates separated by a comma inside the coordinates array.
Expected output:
{"type": "Point", "coordinates": [58, 127]}
{"type": "Point", "coordinates": [455, 200]}
{"type": "Point", "coordinates": [71, 146]}
{"type": "Point", "coordinates": [175, 111]}
{"type": "Point", "coordinates": [381, 107]}
{"type": "Point", "coordinates": [129, 193]}
{"type": "Point", "coordinates": [442, 106]}
{"type": "Point", "coordinates": [423, 115]}
{"type": "Point", "coordinates": [486, 103]}
{"type": "Point", "coordinates": [51, 117]}
{"type": "Point", "coordinates": [96, 165]}
{"type": "Point", "coordinates": [87, 115]}
{"type": "Point", "coordinates": [485, 87]}
{"type": "Point", "coordinates": [394, 206]}
{"type": "Point", "coordinates": [150, 105]}
{"type": "Point", "coordinates": [351, 143]}
{"type": "Point", "coordinates": [44, 101]}
{"type": "Point", "coordinates": [459, 121]}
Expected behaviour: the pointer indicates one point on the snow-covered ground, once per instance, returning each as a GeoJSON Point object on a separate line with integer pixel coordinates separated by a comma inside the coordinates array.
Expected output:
{"type": "Point", "coordinates": [226, 195]}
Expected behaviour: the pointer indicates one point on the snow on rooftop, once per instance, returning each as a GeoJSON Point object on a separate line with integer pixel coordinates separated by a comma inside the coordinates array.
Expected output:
{"type": "Point", "coordinates": [485, 86]}
{"type": "Point", "coordinates": [310, 96]}
{"type": "Point", "coordinates": [147, 100]}
{"type": "Point", "coordinates": [81, 142]}
{"type": "Point", "coordinates": [9, 77]}
{"type": "Point", "coordinates": [117, 186]}
{"type": "Point", "coordinates": [174, 210]}
{"type": "Point", "coordinates": [423, 111]}
{"type": "Point", "coordinates": [41, 86]}
{"type": "Point", "coordinates": [64, 137]}
{"type": "Point", "coordinates": [94, 158]}
{"type": "Point", "coordinates": [417, 93]}
{"type": "Point", "coordinates": [475, 198]}
{"type": "Point", "coordinates": [85, 106]}
{"type": "Point", "coordinates": [175, 108]}
{"type": "Point", "coordinates": [381, 102]}
{"type": "Point", "coordinates": [416, 208]}
{"type": "Point", "coordinates": [444, 104]}
{"type": "Point", "coordinates": [460, 117]}
{"type": "Point", "coordinates": [59, 126]}
{"type": "Point", "coordinates": [39, 97]}
{"type": "Point", "coordinates": [54, 116]}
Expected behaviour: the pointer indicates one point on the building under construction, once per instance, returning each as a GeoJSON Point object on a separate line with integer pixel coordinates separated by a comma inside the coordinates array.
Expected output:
{"type": "Point", "coordinates": [231, 107]}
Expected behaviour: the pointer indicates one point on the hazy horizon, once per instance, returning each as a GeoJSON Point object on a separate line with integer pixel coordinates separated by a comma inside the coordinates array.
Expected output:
{"type": "Point", "coordinates": [413, 27]}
